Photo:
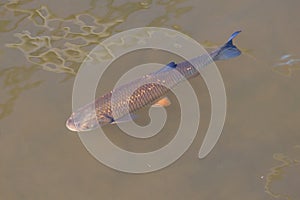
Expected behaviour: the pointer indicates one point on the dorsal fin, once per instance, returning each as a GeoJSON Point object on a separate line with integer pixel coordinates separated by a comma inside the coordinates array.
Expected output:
{"type": "Point", "coordinates": [170, 66]}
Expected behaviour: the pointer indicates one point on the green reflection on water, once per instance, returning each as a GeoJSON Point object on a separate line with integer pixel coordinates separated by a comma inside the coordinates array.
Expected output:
{"type": "Point", "coordinates": [15, 80]}
{"type": "Point", "coordinates": [277, 173]}
{"type": "Point", "coordinates": [60, 44]}
{"type": "Point", "coordinates": [286, 70]}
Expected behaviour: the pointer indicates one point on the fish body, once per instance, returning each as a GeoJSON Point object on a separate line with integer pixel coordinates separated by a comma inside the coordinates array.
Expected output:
{"type": "Point", "coordinates": [128, 98]}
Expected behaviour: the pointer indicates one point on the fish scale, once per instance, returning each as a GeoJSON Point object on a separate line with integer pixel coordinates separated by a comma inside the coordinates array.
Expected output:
{"type": "Point", "coordinates": [130, 97]}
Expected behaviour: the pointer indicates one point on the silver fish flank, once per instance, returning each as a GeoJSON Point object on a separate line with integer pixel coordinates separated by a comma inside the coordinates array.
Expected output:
{"type": "Point", "coordinates": [128, 98]}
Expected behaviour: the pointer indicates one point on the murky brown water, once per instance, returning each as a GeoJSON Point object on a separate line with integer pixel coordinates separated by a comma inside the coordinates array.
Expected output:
{"type": "Point", "coordinates": [42, 46]}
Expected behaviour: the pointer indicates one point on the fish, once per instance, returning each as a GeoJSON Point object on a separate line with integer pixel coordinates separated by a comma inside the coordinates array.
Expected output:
{"type": "Point", "coordinates": [120, 104]}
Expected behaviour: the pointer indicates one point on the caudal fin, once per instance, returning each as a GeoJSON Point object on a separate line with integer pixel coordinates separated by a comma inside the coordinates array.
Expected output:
{"type": "Point", "coordinates": [228, 50]}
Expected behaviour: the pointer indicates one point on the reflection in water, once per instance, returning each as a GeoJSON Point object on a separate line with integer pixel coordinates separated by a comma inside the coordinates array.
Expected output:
{"type": "Point", "coordinates": [287, 64]}
{"type": "Point", "coordinates": [171, 11]}
{"type": "Point", "coordinates": [60, 44]}
{"type": "Point", "coordinates": [15, 80]}
{"type": "Point", "coordinates": [56, 46]}
{"type": "Point", "coordinates": [278, 172]}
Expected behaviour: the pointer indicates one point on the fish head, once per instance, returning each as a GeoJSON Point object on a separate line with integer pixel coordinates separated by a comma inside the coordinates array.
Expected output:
{"type": "Point", "coordinates": [79, 124]}
{"type": "Point", "coordinates": [87, 121]}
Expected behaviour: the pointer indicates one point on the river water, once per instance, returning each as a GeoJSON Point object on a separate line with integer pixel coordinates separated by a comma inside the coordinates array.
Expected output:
{"type": "Point", "coordinates": [43, 44]}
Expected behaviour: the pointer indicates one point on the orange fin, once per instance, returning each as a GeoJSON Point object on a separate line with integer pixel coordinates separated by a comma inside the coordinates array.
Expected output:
{"type": "Point", "coordinates": [164, 102]}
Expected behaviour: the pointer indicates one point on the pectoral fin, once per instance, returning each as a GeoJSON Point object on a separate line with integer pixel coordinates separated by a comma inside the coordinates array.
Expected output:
{"type": "Point", "coordinates": [125, 118]}
{"type": "Point", "coordinates": [164, 102]}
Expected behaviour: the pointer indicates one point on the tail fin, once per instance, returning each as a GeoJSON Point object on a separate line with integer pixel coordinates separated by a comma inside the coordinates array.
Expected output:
{"type": "Point", "coordinates": [228, 50]}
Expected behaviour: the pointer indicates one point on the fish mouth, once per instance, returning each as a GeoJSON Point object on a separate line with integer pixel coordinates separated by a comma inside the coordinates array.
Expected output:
{"type": "Point", "coordinates": [71, 125]}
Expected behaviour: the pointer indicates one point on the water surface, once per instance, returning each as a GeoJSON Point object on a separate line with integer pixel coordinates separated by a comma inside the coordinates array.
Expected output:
{"type": "Point", "coordinates": [42, 46]}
